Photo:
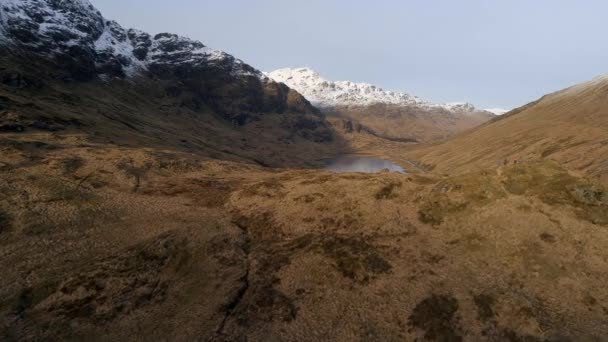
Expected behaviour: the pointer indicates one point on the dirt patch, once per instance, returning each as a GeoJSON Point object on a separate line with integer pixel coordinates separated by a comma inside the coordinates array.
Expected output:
{"type": "Point", "coordinates": [437, 317]}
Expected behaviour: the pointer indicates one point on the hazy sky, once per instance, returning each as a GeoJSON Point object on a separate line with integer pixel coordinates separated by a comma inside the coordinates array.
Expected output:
{"type": "Point", "coordinates": [492, 53]}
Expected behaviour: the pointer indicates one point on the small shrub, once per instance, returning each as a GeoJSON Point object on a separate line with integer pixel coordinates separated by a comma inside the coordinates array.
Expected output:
{"type": "Point", "coordinates": [387, 191]}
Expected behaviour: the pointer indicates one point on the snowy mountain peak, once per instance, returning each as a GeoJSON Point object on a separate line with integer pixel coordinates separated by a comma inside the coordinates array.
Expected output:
{"type": "Point", "coordinates": [497, 111]}
{"type": "Point", "coordinates": [77, 30]}
{"type": "Point", "coordinates": [325, 93]}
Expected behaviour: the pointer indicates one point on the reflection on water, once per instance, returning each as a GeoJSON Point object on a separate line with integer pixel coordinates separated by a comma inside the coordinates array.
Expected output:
{"type": "Point", "coordinates": [352, 163]}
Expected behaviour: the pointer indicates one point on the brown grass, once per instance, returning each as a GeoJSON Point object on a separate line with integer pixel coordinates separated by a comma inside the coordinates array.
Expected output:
{"type": "Point", "coordinates": [568, 126]}
{"type": "Point", "coordinates": [225, 249]}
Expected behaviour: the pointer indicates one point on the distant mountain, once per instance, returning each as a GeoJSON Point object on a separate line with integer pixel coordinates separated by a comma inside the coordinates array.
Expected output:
{"type": "Point", "coordinates": [497, 111]}
{"type": "Point", "coordinates": [388, 113]}
{"type": "Point", "coordinates": [324, 93]}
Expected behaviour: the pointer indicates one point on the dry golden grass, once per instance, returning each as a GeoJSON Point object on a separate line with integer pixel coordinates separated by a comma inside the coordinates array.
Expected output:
{"type": "Point", "coordinates": [172, 229]}
{"type": "Point", "coordinates": [569, 127]}
{"type": "Point", "coordinates": [400, 122]}
{"type": "Point", "coordinates": [127, 243]}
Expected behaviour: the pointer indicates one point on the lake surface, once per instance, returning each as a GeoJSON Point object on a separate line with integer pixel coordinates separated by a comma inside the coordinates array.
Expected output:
{"type": "Point", "coordinates": [353, 163]}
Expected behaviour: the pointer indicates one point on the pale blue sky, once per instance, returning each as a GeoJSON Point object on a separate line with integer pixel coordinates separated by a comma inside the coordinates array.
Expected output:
{"type": "Point", "coordinates": [501, 53]}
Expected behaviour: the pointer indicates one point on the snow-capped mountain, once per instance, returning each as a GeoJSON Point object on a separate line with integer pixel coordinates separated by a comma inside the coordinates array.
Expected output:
{"type": "Point", "coordinates": [497, 111]}
{"type": "Point", "coordinates": [76, 29]}
{"type": "Point", "coordinates": [324, 93]}
{"type": "Point", "coordinates": [388, 114]}
{"type": "Point", "coordinates": [71, 41]}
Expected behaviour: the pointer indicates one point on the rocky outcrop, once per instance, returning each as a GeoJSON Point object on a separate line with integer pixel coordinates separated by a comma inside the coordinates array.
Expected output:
{"type": "Point", "coordinates": [82, 46]}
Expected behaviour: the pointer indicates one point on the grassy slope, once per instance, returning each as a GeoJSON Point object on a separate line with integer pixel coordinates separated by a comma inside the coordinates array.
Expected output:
{"type": "Point", "coordinates": [125, 242]}
{"type": "Point", "coordinates": [570, 127]}
{"type": "Point", "coordinates": [143, 116]}
{"type": "Point", "coordinates": [151, 220]}
{"type": "Point", "coordinates": [413, 123]}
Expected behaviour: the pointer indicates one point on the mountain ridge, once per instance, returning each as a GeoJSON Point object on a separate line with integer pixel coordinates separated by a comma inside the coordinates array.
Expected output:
{"type": "Point", "coordinates": [567, 126]}
{"type": "Point", "coordinates": [59, 27]}
{"type": "Point", "coordinates": [325, 93]}
{"type": "Point", "coordinates": [74, 42]}
{"type": "Point", "coordinates": [392, 115]}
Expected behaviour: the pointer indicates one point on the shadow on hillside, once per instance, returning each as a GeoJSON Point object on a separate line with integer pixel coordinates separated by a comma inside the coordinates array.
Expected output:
{"type": "Point", "coordinates": [117, 115]}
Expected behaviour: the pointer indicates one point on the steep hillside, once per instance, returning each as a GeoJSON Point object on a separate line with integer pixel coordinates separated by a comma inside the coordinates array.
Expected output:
{"type": "Point", "coordinates": [388, 114]}
{"type": "Point", "coordinates": [569, 127]}
{"type": "Point", "coordinates": [63, 65]}
{"type": "Point", "coordinates": [411, 122]}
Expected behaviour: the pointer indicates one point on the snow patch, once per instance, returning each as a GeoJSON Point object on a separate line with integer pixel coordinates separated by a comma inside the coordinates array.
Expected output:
{"type": "Point", "coordinates": [324, 93]}
{"type": "Point", "coordinates": [58, 26]}
{"type": "Point", "coordinates": [497, 111]}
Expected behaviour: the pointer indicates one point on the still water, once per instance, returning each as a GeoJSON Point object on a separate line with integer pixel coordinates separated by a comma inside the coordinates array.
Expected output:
{"type": "Point", "coordinates": [354, 163]}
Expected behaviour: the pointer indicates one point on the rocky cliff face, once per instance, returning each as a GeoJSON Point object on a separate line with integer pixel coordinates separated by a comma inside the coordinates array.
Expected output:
{"type": "Point", "coordinates": [83, 46]}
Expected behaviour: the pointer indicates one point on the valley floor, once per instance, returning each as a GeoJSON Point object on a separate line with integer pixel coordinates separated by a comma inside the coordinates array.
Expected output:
{"type": "Point", "coordinates": [114, 243]}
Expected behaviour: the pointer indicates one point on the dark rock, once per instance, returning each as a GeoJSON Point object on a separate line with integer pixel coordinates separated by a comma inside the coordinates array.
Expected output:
{"type": "Point", "coordinates": [13, 128]}
{"type": "Point", "coordinates": [22, 30]}
{"type": "Point", "coordinates": [18, 80]}
{"type": "Point", "coordinates": [198, 78]}
{"type": "Point", "coordinates": [61, 36]}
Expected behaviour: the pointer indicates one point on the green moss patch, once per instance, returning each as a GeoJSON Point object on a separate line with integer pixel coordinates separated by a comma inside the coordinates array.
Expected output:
{"type": "Point", "coordinates": [555, 186]}
{"type": "Point", "coordinates": [457, 194]}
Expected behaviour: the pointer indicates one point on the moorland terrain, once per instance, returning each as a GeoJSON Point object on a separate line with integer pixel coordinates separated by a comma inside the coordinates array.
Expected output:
{"type": "Point", "coordinates": [179, 194]}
